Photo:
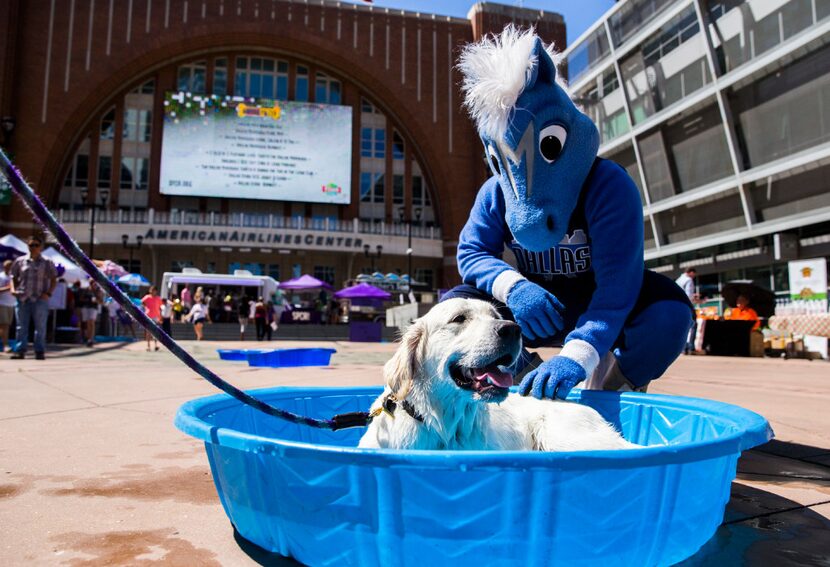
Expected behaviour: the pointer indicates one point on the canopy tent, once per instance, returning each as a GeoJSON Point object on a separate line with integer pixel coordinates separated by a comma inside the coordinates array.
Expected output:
{"type": "Point", "coordinates": [305, 283]}
{"type": "Point", "coordinates": [71, 271]}
{"type": "Point", "coordinates": [134, 280]}
{"type": "Point", "coordinates": [362, 291]}
{"type": "Point", "coordinates": [12, 247]}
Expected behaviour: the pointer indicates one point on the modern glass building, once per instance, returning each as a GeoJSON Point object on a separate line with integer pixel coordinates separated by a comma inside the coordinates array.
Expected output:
{"type": "Point", "coordinates": [720, 111]}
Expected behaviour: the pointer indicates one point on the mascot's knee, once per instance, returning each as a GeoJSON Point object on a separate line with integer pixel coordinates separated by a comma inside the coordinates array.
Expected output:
{"type": "Point", "coordinates": [672, 321]}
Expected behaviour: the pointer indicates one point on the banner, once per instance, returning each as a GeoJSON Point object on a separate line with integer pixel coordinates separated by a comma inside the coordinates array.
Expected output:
{"type": "Point", "coordinates": [246, 148]}
{"type": "Point", "coordinates": [808, 279]}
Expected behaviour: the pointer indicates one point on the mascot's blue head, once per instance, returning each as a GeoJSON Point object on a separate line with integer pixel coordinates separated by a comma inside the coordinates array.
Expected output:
{"type": "Point", "coordinates": [539, 145]}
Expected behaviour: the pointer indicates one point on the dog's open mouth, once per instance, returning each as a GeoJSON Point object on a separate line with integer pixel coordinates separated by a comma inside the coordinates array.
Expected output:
{"type": "Point", "coordinates": [491, 378]}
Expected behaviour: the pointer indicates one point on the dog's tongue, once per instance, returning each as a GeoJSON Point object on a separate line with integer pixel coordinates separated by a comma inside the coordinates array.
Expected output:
{"type": "Point", "coordinates": [494, 375]}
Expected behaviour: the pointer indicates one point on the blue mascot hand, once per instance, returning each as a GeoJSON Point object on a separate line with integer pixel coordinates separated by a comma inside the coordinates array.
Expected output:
{"type": "Point", "coordinates": [553, 379]}
{"type": "Point", "coordinates": [536, 310]}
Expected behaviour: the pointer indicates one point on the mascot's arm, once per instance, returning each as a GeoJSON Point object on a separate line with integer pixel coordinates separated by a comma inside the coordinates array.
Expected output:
{"type": "Point", "coordinates": [481, 244]}
{"type": "Point", "coordinates": [615, 222]}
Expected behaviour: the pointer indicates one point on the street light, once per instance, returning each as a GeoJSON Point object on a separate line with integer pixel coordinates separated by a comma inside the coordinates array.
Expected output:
{"type": "Point", "coordinates": [124, 241]}
{"type": "Point", "coordinates": [374, 255]}
{"type": "Point", "coordinates": [402, 213]}
{"type": "Point", "coordinates": [105, 195]}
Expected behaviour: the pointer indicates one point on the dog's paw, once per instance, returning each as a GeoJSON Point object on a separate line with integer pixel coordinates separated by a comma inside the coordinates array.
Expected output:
{"type": "Point", "coordinates": [553, 379]}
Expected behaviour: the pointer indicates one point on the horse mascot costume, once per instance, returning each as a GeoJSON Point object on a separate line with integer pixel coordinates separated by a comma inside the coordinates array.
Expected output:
{"type": "Point", "coordinates": [574, 223]}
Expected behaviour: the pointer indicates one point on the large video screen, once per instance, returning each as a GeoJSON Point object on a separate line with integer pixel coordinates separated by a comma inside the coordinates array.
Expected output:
{"type": "Point", "coordinates": [223, 146]}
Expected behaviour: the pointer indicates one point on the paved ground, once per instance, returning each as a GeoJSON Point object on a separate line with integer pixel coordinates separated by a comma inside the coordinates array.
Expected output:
{"type": "Point", "coordinates": [92, 471]}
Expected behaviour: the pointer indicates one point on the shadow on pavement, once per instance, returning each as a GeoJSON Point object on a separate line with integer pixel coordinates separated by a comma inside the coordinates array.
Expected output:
{"type": "Point", "coordinates": [262, 556]}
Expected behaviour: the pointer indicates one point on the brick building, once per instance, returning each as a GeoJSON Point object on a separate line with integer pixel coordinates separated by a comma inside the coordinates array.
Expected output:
{"type": "Point", "coordinates": [82, 86]}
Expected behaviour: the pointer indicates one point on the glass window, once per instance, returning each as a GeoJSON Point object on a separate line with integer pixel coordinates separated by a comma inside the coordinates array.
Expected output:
{"type": "Point", "coordinates": [778, 197]}
{"type": "Point", "coordinates": [628, 160]}
{"type": "Point", "coordinates": [397, 146]}
{"type": "Point", "coordinates": [632, 16]}
{"type": "Point", "coordinates": [104, 172]}
{"type": "Point", "coordinates": [145, 125]}
{"type": "Point", "coordinates": [667, 67]}
{"type": "Point", "coordinates": [397, 190]}
{"type": "Point", "coordinates": [380, 143]}
{"type": "Point", "coordinates": [130, 131]}
{"type": "Point", "coordinates": [301, 84]}
{"type": "Point", "coordinates": [702, 218]}
{"type": "Point", "coordinates": [587, 54]}
{"type": "Point", "coordinates": [143, 169]}
{"type": "Point", "coordinates": [274, 271]}
{"type": "Point", "coordinates": [786, 111]}
{"type": "Point", "coordinates": [326, 89]}
{"type": "Point", "coordinates": [108, 126]}
{"type": "Point", "coordinates": [698, 147]}
{"type": "Point", "coordinates": [220, 76]}
{"type": "Point", "coordinates": [425, 276]}
{"type": "Point", "coordinates": [261, 78]}
{"type": "Point", "coordinates": [127, 173]}
{"type": "Point", "coordinates": [191, 77]}
{"type": "Point", "coordinates": [366, 142]}
{"type": "Point", "coordinates": [379, 187]}
{"type": "Point", "coordinates": [603, 102]}
{"type": "Point", "coordinates": [656, 166]}
{"type": "Point", "coordinates": [742, 30]}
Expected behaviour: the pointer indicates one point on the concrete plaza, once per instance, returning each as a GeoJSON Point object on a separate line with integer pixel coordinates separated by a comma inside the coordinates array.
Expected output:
{"type": "Point", "coordinates": [94, 472]}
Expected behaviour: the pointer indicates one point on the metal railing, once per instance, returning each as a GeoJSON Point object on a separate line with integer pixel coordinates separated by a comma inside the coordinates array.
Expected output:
{"type": "Point", "coordinates": [249, 220]}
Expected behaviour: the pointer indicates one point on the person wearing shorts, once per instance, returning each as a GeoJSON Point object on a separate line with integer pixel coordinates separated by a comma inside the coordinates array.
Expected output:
{"type": "Point", "coordinates": [198, 315]}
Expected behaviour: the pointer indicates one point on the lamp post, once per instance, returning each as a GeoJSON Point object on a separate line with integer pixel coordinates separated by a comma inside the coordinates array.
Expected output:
{"type": "Point", "coordinates": [105, 195]}
{"type": "Point", "coordinates": [402, 213]}
{"type": "Point", "coordinates": [125, 242]}
{"type": "Point", "coordinates": [372, 255]}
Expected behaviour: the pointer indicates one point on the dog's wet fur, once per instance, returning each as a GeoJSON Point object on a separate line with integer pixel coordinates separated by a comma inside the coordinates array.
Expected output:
{"type": "Point", "coordinates": [453, 367]}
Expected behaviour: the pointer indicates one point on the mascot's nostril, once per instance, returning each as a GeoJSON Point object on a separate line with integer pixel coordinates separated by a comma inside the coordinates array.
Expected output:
{"type": "Point", "coordinates": [550, 223]}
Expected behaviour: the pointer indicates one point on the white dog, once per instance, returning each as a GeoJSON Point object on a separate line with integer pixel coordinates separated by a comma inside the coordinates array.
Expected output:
{"type": "Point", "coordinates": [447, 388]}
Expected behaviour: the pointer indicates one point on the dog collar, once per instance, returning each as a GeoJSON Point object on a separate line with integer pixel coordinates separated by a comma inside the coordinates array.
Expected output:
{"type": "Point", "coordinates": [390, 404]}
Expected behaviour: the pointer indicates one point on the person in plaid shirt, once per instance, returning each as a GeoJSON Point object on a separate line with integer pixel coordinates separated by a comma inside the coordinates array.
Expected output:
{"type": "Point", "coordinates": [33, 281]}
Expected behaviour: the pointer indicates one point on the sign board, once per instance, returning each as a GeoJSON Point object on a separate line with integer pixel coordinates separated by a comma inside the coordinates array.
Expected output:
{"type": "Point", "coordinates": [808, 279]}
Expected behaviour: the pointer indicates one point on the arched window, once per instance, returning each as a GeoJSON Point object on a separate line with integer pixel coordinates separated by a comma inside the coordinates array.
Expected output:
{"type": "Point", "coordinates": [191, 77]}
{"type": "Point", "coordinates": [326, 89]}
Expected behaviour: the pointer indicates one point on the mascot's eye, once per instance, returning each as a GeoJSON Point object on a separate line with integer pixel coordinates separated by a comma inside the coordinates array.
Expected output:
{"type": "Point", "coordinates": [551, 141]}
{"type": "Point", "coordinates": [460, 318]}
{"type": "Point", "coordinates": [493, 160]}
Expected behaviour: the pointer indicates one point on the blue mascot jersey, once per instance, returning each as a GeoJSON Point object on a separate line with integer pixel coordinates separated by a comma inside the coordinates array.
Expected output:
{"type": "Point", "coordinates": [596, 271]}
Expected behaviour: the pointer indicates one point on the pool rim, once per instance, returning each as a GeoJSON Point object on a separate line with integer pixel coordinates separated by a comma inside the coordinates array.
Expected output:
{"type": "Point", "coordinates": [751, 429]}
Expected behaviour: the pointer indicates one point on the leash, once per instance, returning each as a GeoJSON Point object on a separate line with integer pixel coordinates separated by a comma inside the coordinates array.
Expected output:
{"type": "Point", "coordinates": [71, 248]}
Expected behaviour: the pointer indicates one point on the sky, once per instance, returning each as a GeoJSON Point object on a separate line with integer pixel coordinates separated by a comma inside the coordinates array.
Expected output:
{"type": "Point", "coordinates": [578, 14]}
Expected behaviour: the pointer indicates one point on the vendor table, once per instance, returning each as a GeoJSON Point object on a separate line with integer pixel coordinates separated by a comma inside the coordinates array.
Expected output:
{"type": "Point", "coordinates": [817, 324]}
{"type": "Point", "coordinates": [727, 338]}
{"type": "Point", "coordinates": [301, 317]}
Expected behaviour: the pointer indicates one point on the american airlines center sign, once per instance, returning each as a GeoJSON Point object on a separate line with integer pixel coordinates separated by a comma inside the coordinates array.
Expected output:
{"type": "Point", "coordinates": [231, 237]}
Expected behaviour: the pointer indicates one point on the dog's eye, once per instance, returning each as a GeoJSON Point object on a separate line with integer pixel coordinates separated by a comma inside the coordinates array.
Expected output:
{"type": "Point", "coordinates": [461, 318]}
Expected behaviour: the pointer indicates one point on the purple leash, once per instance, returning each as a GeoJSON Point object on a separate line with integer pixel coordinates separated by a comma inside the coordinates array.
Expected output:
{"type": "Point", "coordinates": [50, 223]}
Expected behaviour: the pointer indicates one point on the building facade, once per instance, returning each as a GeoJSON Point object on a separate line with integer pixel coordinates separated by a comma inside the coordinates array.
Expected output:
{"type": "Point", "coordinates": [720, 111]}
{"type": "Point", "coordinates": [82, 87]}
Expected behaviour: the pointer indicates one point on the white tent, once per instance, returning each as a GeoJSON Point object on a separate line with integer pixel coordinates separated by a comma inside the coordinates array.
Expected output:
{"type": "Point", "coordinates": [11, 241]}
{"type": "Point", "coordinates": [73, 272]}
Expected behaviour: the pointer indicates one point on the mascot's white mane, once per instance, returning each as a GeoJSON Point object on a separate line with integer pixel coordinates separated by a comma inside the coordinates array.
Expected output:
{"type": "Point", "coordinates": [495, 71]}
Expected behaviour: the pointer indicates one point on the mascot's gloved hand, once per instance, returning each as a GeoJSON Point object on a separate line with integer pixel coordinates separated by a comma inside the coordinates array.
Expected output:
{"type": "Point", "coordinates": [553, 379]}
{"type": "Point", "coordinates": [536, 310]}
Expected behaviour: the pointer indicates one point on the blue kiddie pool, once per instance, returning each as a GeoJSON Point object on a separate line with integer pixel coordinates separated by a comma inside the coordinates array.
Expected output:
{"type": "Point", "coordinates": [236, 354]}
{"type": "Point", "coordinates": [289, 357]}
{"type": "Point", "coordinates": [312, 495]}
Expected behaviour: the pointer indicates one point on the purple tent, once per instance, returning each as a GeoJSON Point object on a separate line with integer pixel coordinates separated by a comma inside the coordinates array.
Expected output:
{"type": "Point", "coordinates": [362, 291]}
{"type": "Point", "coordinates": [304, 283]}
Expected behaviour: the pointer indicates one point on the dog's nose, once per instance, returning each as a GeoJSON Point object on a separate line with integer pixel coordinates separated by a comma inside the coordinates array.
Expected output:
{"type": "Point", "coordinates": [509, 330]}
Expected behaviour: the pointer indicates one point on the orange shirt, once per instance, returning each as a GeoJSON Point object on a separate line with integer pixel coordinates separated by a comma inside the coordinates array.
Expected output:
{"type": "Point", "coordinates": [744, 314]}
{"type": "Point", "coordinates": [152, 306]}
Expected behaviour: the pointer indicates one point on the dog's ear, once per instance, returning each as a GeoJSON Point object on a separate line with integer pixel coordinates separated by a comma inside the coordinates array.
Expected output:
{"type": "Point", "coordinates": [405, 364]}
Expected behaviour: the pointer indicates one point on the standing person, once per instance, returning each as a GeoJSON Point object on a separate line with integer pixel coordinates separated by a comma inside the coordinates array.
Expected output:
{"type": "Point", "coordinates": [166, 315]}
{"type": "Point", "coordinates": [187, 300]}
{"type": "Point", "coordinates": [198, 315]}
{"type": "Point", "coordinates": [7, 303]}
{"type": "Point", "coordinates": [88, 300]}
{"type": "Point", "coordinates": [242, 313]}
{"type": "Point", "coordinates": [33, 279]}
{"type": "Point", "coordinates": [112, 311]}
{"type": "Point", "coordinates": [686, 281]}
{"type": "Point", "coordinates": [260, 319]}
{"type": "Point", "coordinates": [270, 322]}
{"type": "Point", "coordinates": [152, 308]}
